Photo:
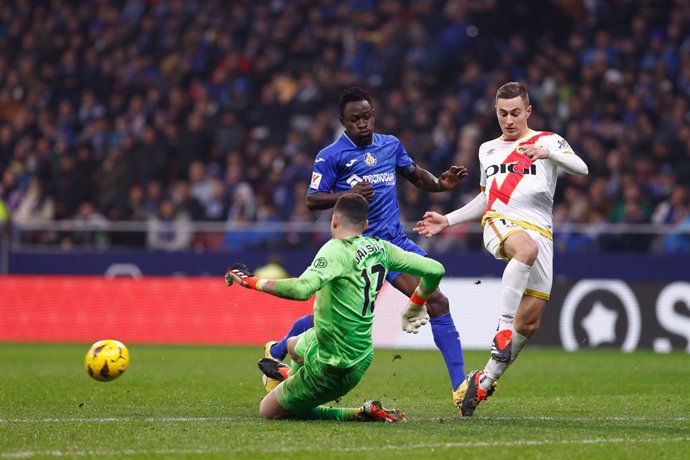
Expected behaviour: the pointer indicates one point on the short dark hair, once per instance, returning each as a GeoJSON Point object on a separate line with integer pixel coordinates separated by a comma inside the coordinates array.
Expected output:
{"type": "Point", "coordinates": [352, 207]}
{"type": "Point", "coordinates": [352, 94]}
{"type": "Point", "coordinates": [511, 90]}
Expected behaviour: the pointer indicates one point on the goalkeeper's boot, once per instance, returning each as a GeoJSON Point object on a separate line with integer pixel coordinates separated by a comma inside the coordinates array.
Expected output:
{"type": "Point", "coordinates": [269, 383]}
{"type": "Point", "coordinates": [273, 369]}
{"type": "Point", "coordinates": [501, 346]}
{"type": "Point", "coordinates": [373, 411]}
{"type": "Point", "coordinates": [469, 394]}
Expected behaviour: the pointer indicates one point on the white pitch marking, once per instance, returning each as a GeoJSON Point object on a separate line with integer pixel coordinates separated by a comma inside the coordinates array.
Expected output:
{"type": "Point", "coordinates": [285, 449]}
{"type": "Point", "coordinates": [119, 419]}
{"type": "Point", "coordinates": [587, 419]}
{"type": "Point", "coordinates": [620, 418]}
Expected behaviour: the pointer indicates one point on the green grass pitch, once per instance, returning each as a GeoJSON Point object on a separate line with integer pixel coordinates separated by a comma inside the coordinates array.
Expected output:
{"type": "Point", "coordinates": [202, 402]}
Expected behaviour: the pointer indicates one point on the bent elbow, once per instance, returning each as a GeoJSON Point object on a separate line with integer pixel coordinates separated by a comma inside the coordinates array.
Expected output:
{"type": "Point", "coordinates": [309, 202]}
{"type": "Point", "coordinates": [313, 204]}
{"type": "Point", "coordinates": [440, 270]}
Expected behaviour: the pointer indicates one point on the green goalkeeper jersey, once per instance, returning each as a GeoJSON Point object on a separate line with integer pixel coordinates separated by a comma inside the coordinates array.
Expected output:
{"type": "Point", "coordinates": [346, 275]}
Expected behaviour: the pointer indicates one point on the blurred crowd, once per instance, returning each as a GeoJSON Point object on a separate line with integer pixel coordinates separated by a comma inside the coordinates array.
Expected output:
{"type": "Point", "coordinates": [174, 111]}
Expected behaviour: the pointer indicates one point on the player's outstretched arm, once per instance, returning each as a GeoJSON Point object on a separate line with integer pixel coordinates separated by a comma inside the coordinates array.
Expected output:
{"type": "Point", "coordinates": [424, 180]}
{"type": "Point", "coordinates": [431, 224]}
{"type": "Point", "coordinates": [239, 273]}
{"type": "Point", "coordinates": [326, 200]}
{"type": "Point", "coordinates": [565, 159]}
{"type": "Point", "coordinates": [300, 288]}
{"type": "Point", "coordinates": [415, 315]}
{"type": "Point", "coordinates": [430, 271]}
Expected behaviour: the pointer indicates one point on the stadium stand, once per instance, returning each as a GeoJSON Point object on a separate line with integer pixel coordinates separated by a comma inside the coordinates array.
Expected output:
{"type": "Point", "coordinates": [170, 111]}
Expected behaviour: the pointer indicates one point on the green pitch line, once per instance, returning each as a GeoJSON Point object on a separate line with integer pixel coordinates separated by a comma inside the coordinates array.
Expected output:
{"type": "Point", "coordinates": [202, 402]}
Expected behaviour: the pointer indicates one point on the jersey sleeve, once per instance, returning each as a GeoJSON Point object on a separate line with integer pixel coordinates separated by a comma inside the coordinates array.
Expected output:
{"type": "Point", "coordinates": [324, 174]}
{"type": "Point", "coordinates": [556, 144]}
{"type": "Point", "coordinates": [327, 265]}
{"type": "Point", "coordinates": [430, 270]}
{"type": "Point", "coordinates": [563, 156]}
{"type": "Point", "coordinates": [402, 159]}
{"type": "Point", "coordinates": [482, 171]}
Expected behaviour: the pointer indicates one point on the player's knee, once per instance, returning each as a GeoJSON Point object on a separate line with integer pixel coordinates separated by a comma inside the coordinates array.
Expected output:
{"type": "Point", "coordinates": [263, 410]}
{"type": "Point", "coordinates": [528, 253]}
{"type": "Point", "coordinates": [437, 304]}
{"type": "Point", "coordinates": [291, 343]}
{"type": "Point", "coordinates": [267, 412]}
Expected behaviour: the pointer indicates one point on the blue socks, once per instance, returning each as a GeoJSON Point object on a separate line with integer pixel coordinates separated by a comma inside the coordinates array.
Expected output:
{"type": "Point", "coordinates": [279, 349]}
{"type": "Point", "coordinates": [447, 340]}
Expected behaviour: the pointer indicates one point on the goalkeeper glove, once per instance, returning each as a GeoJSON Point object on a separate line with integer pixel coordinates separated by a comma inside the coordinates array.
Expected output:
{"type": "Point", "coordinates": [240, 273]}
{"type": "Point", "coordinates": [414, 315]}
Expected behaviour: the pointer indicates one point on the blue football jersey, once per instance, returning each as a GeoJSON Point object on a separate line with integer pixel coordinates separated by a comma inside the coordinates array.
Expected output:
{"type": "Point", "coordinates": [343, 164]}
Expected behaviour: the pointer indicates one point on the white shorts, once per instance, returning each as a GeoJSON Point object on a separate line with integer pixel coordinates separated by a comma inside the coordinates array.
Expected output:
{"type": "Point", "coordinates": [496, 230]}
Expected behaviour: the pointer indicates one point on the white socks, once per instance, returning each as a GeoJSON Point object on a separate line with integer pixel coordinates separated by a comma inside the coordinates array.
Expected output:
{"type": "Point", "coordinates": [513, 285]}
{"type": "Point", "coordinates": [494, 369]}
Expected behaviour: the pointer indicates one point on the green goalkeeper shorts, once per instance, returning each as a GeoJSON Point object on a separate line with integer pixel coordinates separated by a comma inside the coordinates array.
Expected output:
{"type": "Point", "coordinates": [316, 383]}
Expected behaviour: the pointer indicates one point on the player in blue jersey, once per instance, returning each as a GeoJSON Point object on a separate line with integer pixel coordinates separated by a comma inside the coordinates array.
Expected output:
{"type": "Point", "coordinates": [367, 163]}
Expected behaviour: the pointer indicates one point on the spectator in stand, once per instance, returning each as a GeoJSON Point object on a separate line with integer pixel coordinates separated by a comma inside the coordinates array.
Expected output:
{"type": "Point", "coordinates": [149, 156]}
{"type": "Point", "coordinates": [153, 197]}
{"type": "Point", "coordinates": [89, 228]}
{"type": "Point", "coordinates": [674, 212]}
{"type": "Point", "coordinates": [10, 190]}
{"type": "Point", "coordinates": [35, 207]}
{"type": "Point", "coordinates": [169, 229]}
{"type": "Point", "coordinates": [184, 200]}
{"type": "Point", "coordinates": [113, 179]}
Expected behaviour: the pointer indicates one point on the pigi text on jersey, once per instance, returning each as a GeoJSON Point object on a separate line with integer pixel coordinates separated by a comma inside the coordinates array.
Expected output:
{"type": "Point", "coordinates": [513, 168]}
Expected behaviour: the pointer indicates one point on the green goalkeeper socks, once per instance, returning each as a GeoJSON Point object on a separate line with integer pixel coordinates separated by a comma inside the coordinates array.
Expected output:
{"type": "Point", "coordinates": [330, 413]}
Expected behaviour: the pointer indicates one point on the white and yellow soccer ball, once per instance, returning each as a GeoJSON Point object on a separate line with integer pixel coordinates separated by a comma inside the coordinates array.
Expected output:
{"type": "Point", "coordinates": [106, 360]}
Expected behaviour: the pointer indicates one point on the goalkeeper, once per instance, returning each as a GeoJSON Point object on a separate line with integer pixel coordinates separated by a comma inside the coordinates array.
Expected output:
{"type": "Point", "coordinates": [330, 359]}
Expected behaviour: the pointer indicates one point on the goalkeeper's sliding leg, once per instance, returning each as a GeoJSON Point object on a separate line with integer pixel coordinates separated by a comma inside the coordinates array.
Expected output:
{"type": "Point", "coordinates": [308, 384]}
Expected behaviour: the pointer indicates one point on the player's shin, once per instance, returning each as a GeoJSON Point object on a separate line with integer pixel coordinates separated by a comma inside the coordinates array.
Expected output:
{"type": "Point", "coordinates": [447, 340]}
{"type": "Point", "coordinates": [513, 284]}
{"type": "Point", "coordinates": [494, 369]}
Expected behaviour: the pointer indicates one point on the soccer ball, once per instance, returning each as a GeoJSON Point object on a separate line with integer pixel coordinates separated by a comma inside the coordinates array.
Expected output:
{"type": "Point", "coordinates": [106, 360]}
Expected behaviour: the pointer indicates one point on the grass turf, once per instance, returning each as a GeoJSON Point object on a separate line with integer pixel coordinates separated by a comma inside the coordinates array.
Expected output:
{"type": "Point", "coordinates": [202, 402]}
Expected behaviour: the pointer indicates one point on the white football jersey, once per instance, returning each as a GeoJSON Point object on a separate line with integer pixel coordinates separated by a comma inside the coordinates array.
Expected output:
{"type": "Point", "coordinates": [518, 188]}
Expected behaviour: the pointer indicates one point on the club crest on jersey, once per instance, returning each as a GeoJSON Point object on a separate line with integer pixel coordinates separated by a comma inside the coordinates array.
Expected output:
{"type": "Point", "coordinates": [369, 159]}
{"type": "Point", "coordinates": [512, 168]}
{"type": "Point", "coordinates": [321, 262]}
{"type": "Point", "coordinates": [353, 180]}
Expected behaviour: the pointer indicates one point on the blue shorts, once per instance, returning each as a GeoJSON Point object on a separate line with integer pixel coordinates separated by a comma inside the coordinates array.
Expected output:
{"type": "Point", "coordinates": [403, 242]}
